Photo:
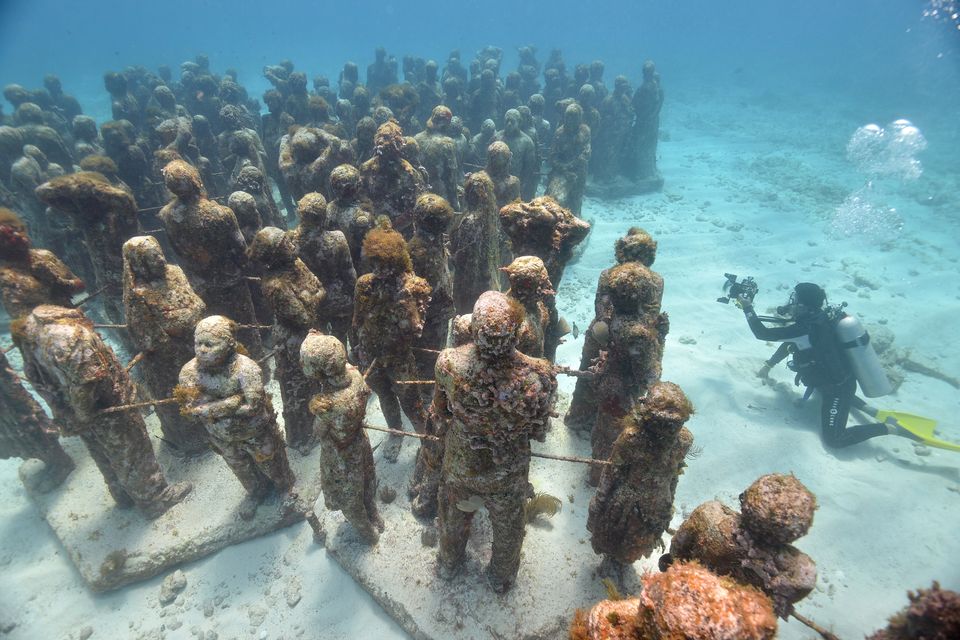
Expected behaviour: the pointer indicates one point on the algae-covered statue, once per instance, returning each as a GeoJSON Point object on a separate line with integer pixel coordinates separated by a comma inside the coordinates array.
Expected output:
{"type": "Point", "coordinates": [326, 252]}
{"type": "Point", "coordinates": [569, 160]}
{"type": "Point", "coordinates": [438, 154]}
{"type": "Point", "coordinates": [636, 246]}
{"type": "Point", "coordinates": [647, 102]}
{"type": "Point", "coordinates": [523, 160]}
{"type": "Point", "coordinates": [506, 186]}
{"type": "Point", "coordinates": [26, 432]}
{"type": "Point", "coordinates": [79, 377]}
{"type": "Point", "coordinates": [634, 501]}
{"type": "Point", "coordinates": [209, 244]}
{"type": "Point", "coordinates": [475, 243]}
{"type": "Point", "coordinates": [491, 401]}
{"type": "Point", "coordinates": [347, 472]}
{"type": "Point", "coordinates": [544, 228]}
{"type": "Point", "coordinates": [390, 182]}
{"type": "Point", "coordinates": [162, 311]}
{"type": "Point", "coordinates": [295, 295]}
{"type": "Point", "coordinates": [530, 286]}
{"type": "Point", "coordinates": [348, 211]}
{"type": "Point", "coordinates": [754, 546]}
{"type": "Point", "coordinates": [30, 277]}
{"type": "Point", "coordinates": [224, 389]}
{"type": "Point", "coordinates": [389, 314]}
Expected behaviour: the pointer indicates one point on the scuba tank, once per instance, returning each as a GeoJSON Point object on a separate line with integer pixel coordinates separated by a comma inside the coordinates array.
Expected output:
{"type": "Point", "coordinates": [855, 342]}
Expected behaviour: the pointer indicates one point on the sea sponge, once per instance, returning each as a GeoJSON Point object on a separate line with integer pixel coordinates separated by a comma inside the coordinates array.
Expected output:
{"type": "Point", "coordinates": [933, 614]}
{"type": "Point", "coordinates": [688, 602]}
{"type": "Point", "coordinates": [777, 508]}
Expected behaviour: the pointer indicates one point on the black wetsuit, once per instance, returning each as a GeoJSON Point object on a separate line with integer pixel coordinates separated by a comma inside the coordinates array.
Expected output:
{"type": "Point", "coordinates": [833, 379]}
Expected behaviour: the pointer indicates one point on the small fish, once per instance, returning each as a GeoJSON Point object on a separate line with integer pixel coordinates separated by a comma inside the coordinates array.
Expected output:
{"type": "Point", "coordinates": [576, 331]}
{"type": "Point", "coordinates": [471, 504]}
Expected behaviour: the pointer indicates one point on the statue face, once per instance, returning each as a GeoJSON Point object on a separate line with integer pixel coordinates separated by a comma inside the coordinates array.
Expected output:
{"type": "Point", "coordinates": [212, 348]}
{"type": "Point", "coordinates": [512, 121]}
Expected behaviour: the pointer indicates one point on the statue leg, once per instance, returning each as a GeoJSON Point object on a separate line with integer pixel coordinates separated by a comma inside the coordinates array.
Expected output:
{"type": "Point", "coordinates": [583, 406]}
{"type": "Point", "coordinates": [100, 458]}
{"type": "Point", "coordinates": [379, 381]}
{"type": "Point", "coordinates": [454, 529]}
{"type": "Point", "coordinates": [508, 521]}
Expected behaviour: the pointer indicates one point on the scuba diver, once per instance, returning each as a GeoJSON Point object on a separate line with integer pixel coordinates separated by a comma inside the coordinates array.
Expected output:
{"type": "Point", "coordinates": [831, 353]}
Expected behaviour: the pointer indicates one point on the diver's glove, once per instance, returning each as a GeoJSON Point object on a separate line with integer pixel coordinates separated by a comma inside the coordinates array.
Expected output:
{"type": "Point", "coordinates": [764, 371]}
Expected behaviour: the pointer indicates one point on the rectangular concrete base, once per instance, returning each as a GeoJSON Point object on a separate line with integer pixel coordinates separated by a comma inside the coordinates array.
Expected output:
{"type": "Point", "coordinates": [556, 572]}
{"type": "Point", "coordinates": [112, 547]}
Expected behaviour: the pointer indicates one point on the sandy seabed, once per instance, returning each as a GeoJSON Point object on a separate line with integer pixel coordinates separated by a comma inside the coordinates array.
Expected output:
{"type": "Point", "coordinates": [752, 184]}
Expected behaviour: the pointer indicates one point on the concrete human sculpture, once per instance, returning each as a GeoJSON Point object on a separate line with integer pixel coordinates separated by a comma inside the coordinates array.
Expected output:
{"type": "Point", "coordinates": [224, 390]}
{"type": "Point", "coordinates": [491, 401]}
{"type": "Point", "coordinates": [79, 377]}
{"type": "Point", "coordinates": [390, 182]}
{"type": "Point", "coordinates": [570, 160]}
{"type": "Point", "coordinates": [347, 472]}
{"type": "Point", "coordinates": [475, 243]}
{"type": "Point", "coordinates": [162, 311]}
{"type": "Point", "coordinates": [530, 286]}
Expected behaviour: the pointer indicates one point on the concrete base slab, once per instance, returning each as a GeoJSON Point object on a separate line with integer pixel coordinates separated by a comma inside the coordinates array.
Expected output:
{"type": "Point", "coordinates": [623, 187]}
{"type": "Point", "coordinates": [555, 579]}
{"type": "Point", "coordinates": [111, 547]}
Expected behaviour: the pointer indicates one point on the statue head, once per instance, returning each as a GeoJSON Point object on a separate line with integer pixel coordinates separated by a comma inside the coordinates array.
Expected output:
{"type": "Point", "coordinates": [432, 213]}
{"type": "Point", "coordinates": [388, 142]}
{"type": "Point", "coordinates": [636, 246]}
{"type": "Point", "coordinates": [344, 182]}
{"type": "Point", "coordinates": [322, 356]}
{"type": "Point", "coordinates": [144, 258]}
{"type": "Point", "coordinates": [528, 277]}
{"type": "Point", "coordinates": [495, 325]}
{"type": "Point", "coordinates": [386, 252]}
{"type": "Point", "coordinates": [183, 180]}
{"type": "Point", "coordinates": [511, 122]}
{"type": "Point", "coordinates": [498, 158]}
{"type": "Point", "coordinates": [272, 248]}
{"type": "Point", "coordinates": [312, 210]}
{"type": "Point", "coordinates": [214, 342]}
{"type": "Point", "coordinates": [572, 118]}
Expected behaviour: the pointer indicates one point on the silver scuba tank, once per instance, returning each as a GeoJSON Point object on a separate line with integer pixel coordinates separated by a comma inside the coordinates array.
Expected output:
{"type": "Point", "coordinates": [866, 366]}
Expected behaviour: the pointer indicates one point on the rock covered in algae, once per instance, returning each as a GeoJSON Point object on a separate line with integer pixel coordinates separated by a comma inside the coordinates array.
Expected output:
{"type": "Point", "coordinates": [933, 614]}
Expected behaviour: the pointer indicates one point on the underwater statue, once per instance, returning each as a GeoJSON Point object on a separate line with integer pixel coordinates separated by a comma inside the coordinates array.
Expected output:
{"type": "Point", "coordinates": [390, 182]}
{"type": "Point", "coordinates": [438, 155]}
{"type": "Point", "coordinates": [26, 432]}
{"type": "Point", "coordinates": [209, 244]}
{"type": "Point", "coordinates": [634, 501]}
{"type": "Point", "coordinates": [475, 243]}
{"type": "Point", "coordinates": [348, 211]}
{"type": "Point", "coordinates": [224, 390]}
{"type": "Point", "coordinates": [636, 246]}
{"type": "Point", "coordinates": [544, 228]}
{"type": "Point", "coordinates": [79, 377]}
{"type": "Point", "coordinates": [647, 102]}
{"type": "Point", "coordinates": [491, 401]}
{"type": "Point", "coordinates": [347, 472]}
{"type": "Point", "coordinates": [106, 216]}
{"type": "Point", "coordinates": [569, 160]}
{"type": "Point", "coordinates": [754, 546]}
{"type": "Point", "coordinates": [326, 253]}
{"type": "Point", "coordinates": [30, 277]}
{"type": "Point", "coordinates": [390, 305]}
{"type": "Point", "coordinates": [295, 295]}
{"type": "Point", "coordinates": [612, 142]}
{"type": "Point", "coordinates": [530, 286]}
{"type": "Point", "coordinates": [523, 161]}
{"type": "Point", "coordinates": [162, 311]}
{"type": "Point", "coordinates": [506, 186]}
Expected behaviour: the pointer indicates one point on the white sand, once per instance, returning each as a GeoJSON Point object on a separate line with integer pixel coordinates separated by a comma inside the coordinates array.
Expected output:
{"type": "Point", "coordinates": [751, 183]}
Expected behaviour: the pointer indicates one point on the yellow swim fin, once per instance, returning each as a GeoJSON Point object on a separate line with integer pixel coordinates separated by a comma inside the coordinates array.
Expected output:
{"type": "Point", "coordinates": [922, 428]}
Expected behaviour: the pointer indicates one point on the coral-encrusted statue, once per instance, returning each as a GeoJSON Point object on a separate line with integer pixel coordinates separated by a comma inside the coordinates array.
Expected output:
{"type": "Point", "coordinates": [26, 432]}
{"type": "Point", "coordinates": [162, 311]}
{"type": "Point", "coordinates": [636, 246]}
{"type": "Point", "coordinates": [634, 502]}
{"type": "Point", "coordinates": [530, 286]}
{"type": "Point", "coordinates": [224, 389]}
{"type": "Point", "coordinates": [295, 295]}
{"type": "Point", "coordinates": [506, 186]}
{"type": "Point", "coordinates": [688, 602]}
{"type": "Point", "coordinates": [569, 160]}
{"type": "Point", "coordinates": [107, 217]}
{"type": "Point", "coordinates": [428, 253]}
{"type": "Point", "coordinates": [326, 253]}
{"type": "Point", "coordinates": [391, 183]}
{"type": "Point", "coordinates": [347, 472]}
{"type": "Point", "coordinates": [347, 212]}
{"type": "Point", "coordinates": [523, 156]}
{"type": "Point", "coordinates": [475, 243]}
{"type": "Point", "coordinates": [549, 231]}
{"type": "Point", "coordinates": [438, 154]}
{"type": "Point", "coordinates": [30, 277]}
{"type": "Point", "coordinates": [647, 102]}
{"type": "Point", "coordinates": [207, 239]}
{"type": "Point", "coordinates": [491, 401]}
{"type": "Point", "coordinates": [753, 546]}
{"type": "Point", "coordinates": [389, 314]}
{"type": "Point", "coordinates": [79, 376]}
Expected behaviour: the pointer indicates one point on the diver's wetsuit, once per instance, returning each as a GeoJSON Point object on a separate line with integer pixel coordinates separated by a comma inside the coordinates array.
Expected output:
{"type": "Point", "coordinates": [838, 397]}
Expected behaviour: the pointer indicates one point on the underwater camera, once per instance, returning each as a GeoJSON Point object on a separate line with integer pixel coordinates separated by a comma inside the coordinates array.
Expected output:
{"type": "Point", "coordinates": [734, 288]}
